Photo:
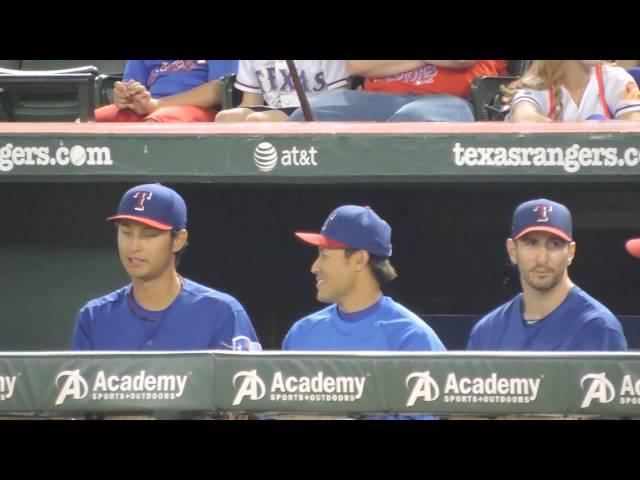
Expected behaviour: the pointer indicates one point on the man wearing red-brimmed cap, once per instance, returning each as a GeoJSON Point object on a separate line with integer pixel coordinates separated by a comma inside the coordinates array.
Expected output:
{"type": "Point", "coordinates": [159, 309]}
{"type": "Point", "coordinates": [551, 313]}
{"type": "Point", "coordinates": [354, 247]}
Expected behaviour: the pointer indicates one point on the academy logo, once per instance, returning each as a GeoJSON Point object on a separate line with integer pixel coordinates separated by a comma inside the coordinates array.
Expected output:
{"type": "Point", "coordinates": [7, 386]}
{"type": "Point", "coordinates": [252, 386]}
{"type": "Point", "coordinates": [266, 157]}
{"type": "Point", "coordinates": [74, 386]}
{"type": "Point", "coordinates": [490, 389]}
{"type": "Point", "coordinates": [598, 387]}
{"type": "Point", "coordinates": [143, 386]}
{"type": "Point", "coordinates": [318, 388]}
{"type": "Point", "coordinates": [424, 387]}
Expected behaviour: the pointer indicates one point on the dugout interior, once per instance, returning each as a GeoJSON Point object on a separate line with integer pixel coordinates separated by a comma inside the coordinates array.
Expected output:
{"type": "Point", "coordinates": [58, 252]}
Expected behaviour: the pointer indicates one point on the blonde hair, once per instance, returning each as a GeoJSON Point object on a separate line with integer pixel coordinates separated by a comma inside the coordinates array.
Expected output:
{"type": "Point", "coordinates": [542, 74]}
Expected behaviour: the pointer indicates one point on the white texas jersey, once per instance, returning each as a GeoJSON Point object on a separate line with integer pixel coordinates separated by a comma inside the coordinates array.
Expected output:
{"type": "Point", "coordinates": [620, 91]}
{"type": "Point", "coordinates": [272, 79]}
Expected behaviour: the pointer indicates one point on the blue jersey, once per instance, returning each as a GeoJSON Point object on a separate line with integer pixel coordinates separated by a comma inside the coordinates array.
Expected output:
{"type": "Point", "coordinates": [169, 77]}
{"type": "Point", "coordinates": [200, 318]}
{"type": "Point", "coordinates": [580, 322]}
{"type": "Point", "coordinates": [386, 325]}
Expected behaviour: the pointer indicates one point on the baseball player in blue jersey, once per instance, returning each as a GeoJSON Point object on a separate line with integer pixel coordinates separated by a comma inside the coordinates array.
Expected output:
{"type": "Point", "coordinates": [551, 313]}
{"type": "Point", "coordinates": [159, 309]}
{"type": "Point", "coordinates": [352, 265]}
{"type": "Point", "coordinates": [351, 268]}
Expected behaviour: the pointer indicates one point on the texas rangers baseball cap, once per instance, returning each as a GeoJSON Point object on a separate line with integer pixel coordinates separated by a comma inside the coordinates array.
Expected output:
{"type": "Point", "coordinates": [355, 227]}
{"type": "Point", "coordinates": [542, 215]}
{"type": "Point", "coordinates": [154, 205]}
{"type": "Point", "coordinates": [633, 247]}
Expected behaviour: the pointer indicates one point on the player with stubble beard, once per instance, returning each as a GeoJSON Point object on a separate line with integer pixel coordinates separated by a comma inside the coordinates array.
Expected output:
{"type": "Point", "coordinates": [551, 313]}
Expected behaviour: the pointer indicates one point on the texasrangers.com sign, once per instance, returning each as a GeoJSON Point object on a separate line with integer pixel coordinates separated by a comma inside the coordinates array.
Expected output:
{"type": "Point", "coordinates": [71, 385]}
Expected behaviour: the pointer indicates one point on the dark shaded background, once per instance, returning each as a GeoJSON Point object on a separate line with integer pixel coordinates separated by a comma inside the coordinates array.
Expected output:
{"type": "Point", "coordinates": [57, 252]}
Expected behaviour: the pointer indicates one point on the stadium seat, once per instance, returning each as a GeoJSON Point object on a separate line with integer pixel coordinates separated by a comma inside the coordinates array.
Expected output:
{"type": "Point", "coordinates": [485, 91]}
{"type": "Point", "coordinates": [355, 82]}
{"type": "Point", "coordinates": [485, 97]}
{"type": "Point", "coordinates": [44, 98]}
{"type": "Point", "coordinates": [517, 68]}
{"type": "Point", "coordinates": [231, 96]}
{"type": "Point", "coordinates": [49, 95]}
{"type": "Point", "coordinates": [13, 65]}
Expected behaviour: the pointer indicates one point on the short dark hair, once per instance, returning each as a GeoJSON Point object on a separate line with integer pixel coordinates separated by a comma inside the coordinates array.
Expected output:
{"type": "Point", "coordinates": [380, 267]}
{"type": "Point", "coordinates": [174, 234]}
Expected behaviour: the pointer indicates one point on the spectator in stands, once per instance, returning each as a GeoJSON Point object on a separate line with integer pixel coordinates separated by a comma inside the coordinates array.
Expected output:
{"type": "Point", "coordinates": [551, 313]}
{"type": "Point", "coordinates": [573, 90]}
{"type": "Point", "coordinates": [406, 91]}
{"type": "Point", "coordinates": [159, 309]}
{"type": "Point", "coordinates": [269, 81]}
{"type": "Point", "coordinates": [354, 247]}
{"type": "Point", "coordinates": [167, 91]}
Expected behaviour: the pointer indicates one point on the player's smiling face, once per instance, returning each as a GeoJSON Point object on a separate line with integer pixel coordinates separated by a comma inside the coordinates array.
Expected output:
{"type": "Point", "coordinates": [542, 259]}
{"type": "Point", "coordinates": [145, 251]}
{"type": "Point", "coordinates": [335, 275]}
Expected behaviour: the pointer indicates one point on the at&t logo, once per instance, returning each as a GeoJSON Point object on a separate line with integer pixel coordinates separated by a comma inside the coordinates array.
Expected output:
{"type": "Point", "coordinates": [266, 157]}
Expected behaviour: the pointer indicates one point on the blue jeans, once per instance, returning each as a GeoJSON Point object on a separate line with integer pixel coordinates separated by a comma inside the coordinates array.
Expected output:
{"type": "Point", "coordinates": [357, 105]}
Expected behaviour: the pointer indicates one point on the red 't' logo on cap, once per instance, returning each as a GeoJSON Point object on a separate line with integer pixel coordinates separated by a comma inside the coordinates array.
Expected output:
{"type": "Point", "coordinates": [543, 212]}
{"type": "Point", "coordinates": [140, 199]}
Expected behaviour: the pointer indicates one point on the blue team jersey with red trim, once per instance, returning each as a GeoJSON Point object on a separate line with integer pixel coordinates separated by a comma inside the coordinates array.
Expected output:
{"type": "Point", "coordinates": [579, 323]}
{"type": "Point", "coordinates": [200, 318]}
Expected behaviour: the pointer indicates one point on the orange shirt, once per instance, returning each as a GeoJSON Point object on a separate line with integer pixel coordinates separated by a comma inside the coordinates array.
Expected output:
{"type": "Point", "coordinates": [432, 79]}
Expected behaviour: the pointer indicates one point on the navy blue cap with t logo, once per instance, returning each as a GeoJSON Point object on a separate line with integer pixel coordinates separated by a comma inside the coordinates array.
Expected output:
{"type": "Point", "coordinates": [353, 226]}
{"type": "Point", "coordinates": [542, 215]}
{"type": "Point", "coordinates": [154, 205]}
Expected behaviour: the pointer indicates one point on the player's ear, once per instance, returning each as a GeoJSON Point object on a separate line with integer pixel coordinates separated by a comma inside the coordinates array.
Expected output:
{"type": "Point", "coordinates": [511, 250]}
{"type": "Point", "coordinates": [180, 240]}
{"type": "Point", "coordinates": [361, 259]}
{"type": "Point", "coordinates": [572, 252]}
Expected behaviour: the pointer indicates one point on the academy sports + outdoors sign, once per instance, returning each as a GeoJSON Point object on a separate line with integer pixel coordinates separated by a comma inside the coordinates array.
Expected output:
{"type": "Point", "coordinates": [443, 383]}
